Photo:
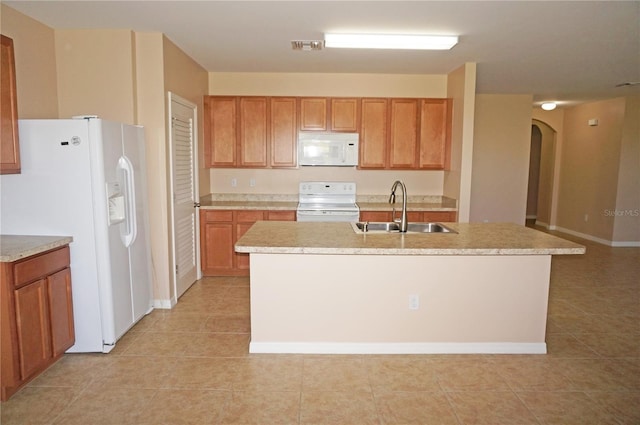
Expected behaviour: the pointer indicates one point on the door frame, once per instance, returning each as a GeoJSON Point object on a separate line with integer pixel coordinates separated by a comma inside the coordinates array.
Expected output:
{"type": "Point", "coordinates": [172, 97]}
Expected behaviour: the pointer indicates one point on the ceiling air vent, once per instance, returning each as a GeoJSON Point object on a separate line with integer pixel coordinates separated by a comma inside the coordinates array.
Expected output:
{"type": "Point", "coordinates": [307, 45]}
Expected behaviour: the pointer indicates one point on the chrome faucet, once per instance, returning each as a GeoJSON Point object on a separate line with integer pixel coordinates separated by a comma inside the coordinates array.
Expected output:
{"type": "Point", "coordinates": [392, 200]}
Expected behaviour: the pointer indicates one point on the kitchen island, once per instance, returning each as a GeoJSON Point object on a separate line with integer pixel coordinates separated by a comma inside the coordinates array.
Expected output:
{"type": "Point", "coordinates": [323, 288]}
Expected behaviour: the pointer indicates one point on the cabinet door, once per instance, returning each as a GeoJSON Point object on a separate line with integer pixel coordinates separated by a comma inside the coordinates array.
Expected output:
{"type": "Point", "coordinates": [253, 132]}
{"type": "Point", "coordinates": [403, 139]}
{"type": "Point", "coordinates": [284, 133]}
{"type": "Point", "coordinates": [344, 114]}
{"type": "Point", "coordinates": [9, 148]}
{"type": "Point", "coordinates": [313, 113]}
{"type": "Point", "coordinates": [279, 215]}
{"type": "Point", "coordinates": [220, 131]}
{"type": "Point", "coordinates": [373, 134]}
{"type": "Point", "coordinates": [244, 221]}
{"type": "Point", "coordinates": [242, 258]}
{"type": "Point", "coordinates": [32, 322]}
{"type": "Point", "coordinates": [216, 242]}
{"type": "Point", "coordinates": [435, 124]}
{"type": "Point", "coordinates": [61, 311]}
{"type": "Point", "coordinates": [217, 247]}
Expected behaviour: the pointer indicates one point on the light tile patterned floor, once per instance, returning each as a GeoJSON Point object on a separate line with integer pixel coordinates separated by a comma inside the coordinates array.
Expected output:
{"type": "Point", "coordinates": [191, 366]}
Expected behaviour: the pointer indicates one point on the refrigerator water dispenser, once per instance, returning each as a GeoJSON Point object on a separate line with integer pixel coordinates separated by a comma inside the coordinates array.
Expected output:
{"type": "Point", "coordinates": [116, 203]}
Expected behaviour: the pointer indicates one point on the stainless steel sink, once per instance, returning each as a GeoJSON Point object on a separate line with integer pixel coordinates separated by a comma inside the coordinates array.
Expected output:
{"type": "Point", "coordinates": [393, 227]}
{"type": "Point", "coordinates": [429, 228]}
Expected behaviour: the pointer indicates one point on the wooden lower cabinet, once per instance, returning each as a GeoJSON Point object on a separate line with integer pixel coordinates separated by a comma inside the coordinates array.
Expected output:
{"type": "Point", "coordinates": [412, 216]}
{"type": "Point", "coordinates": [37, 316]}
{"type": "Point", "coordinates": [219, 231]}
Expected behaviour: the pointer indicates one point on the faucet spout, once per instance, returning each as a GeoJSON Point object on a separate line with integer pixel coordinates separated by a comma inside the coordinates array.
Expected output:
{"type": "Point", "coordinates": [404, 224]}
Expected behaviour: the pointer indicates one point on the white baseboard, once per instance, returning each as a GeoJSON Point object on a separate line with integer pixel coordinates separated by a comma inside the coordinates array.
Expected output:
{"type": "Point", "coordinates": [615, 244]}
{"type": "Point", "coordinates": [399, 348]}
{"type": "Point", "coordinates": [164, 304]}
{"type": "Point", "coordinates": [543, 224]}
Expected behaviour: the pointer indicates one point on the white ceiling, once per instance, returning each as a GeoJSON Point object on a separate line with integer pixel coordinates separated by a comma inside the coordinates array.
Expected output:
{"type": "Point", "coordinates": [570, 51]}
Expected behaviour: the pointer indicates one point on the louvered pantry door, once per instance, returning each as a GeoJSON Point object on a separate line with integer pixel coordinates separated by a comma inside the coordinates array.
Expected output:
{"type": "Point", "coordinates": [184, 187]}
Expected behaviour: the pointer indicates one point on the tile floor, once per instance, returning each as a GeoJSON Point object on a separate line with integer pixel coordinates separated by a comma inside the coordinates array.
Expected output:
{"type": "Point", "coordinates": [191, 365]}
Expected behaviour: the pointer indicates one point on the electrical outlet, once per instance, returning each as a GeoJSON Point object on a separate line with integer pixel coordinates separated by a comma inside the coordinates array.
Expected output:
{"type": "Point", "coordinates": [586, 217]}
{"type": "Point", "coordinates": [234, 182]}
{"type": "Point", "coordinates": [414, 302]}
{"type": "Point", "coordinates": [252, 182]}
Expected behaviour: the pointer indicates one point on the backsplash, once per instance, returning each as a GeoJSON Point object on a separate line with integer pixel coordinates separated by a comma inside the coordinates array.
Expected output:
{"type": "Point", "coordinates": [257, 197]}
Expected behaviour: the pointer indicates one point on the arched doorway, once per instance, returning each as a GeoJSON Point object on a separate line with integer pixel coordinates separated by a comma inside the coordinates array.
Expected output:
{"type": "Point", "coordinates": [534, 175]}
{"type": "Point", "coordinates": [541, 175]}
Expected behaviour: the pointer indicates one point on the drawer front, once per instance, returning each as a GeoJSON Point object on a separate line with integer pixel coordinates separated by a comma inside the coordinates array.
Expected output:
{"type": "Point", "coordinates": [40, 265]}
{"type": "Point", "coordinates": [445, 216]}
{"type": "Point", "coordinates": [215, 215]}
{"type": "Point", "coordinates": [249, 216]}
{"type": "Point", "coordinates": [281, 215]}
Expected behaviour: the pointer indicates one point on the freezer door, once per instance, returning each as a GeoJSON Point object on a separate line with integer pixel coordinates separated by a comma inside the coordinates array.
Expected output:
{"type": "Point", "coordinates": [116, 293]}
{"type": "Point", "coordinates": [139, 249]}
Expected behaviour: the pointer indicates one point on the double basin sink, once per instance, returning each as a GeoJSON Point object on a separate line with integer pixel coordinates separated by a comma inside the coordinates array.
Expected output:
{"type": "Point", "coordinates": [394, 227]}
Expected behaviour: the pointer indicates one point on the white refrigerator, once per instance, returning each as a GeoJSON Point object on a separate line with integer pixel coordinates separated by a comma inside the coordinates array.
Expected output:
{"type": "Point", "coordinates": [86, 178]}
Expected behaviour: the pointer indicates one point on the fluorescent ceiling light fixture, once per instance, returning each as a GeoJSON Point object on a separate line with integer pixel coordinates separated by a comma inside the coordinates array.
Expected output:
{"type": "Point", "coordinates": [548, 106]}
{"type": "Point", "coordinates": [391, 41]}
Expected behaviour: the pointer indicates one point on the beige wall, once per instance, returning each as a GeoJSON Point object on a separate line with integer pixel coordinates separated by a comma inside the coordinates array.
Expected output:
{"type": "Point", "coordinates": [300, 84]}
{"type": "Point", "coordinates": [309, 84]}
{"type": "Point", "coordinates": [186, 78]}
{"type": "Point", "coordinates": [590, 168]}
{"type": "Point", "coordinates": [151, 114]}
{"type": "Point", "coordinates": [96, 74]}
{"type": "Point", "coordinates": [501, 146]}
{"type": "Point", "coordinates": [627, 214]}
{"type": "Point", "coordinates": [35, 57]}
{"type": "Point", "coordinates": [461, 87]}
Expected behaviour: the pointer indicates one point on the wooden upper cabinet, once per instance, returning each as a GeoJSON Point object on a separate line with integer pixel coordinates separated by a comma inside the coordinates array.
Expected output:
{"type": "Point", "coordinates": [313, 113]}
{"type": "Point", "coordinates": [220, 131]}
{"type": "Point", "coordinates": [284, 133]}
{"type": "Point", "coordinates": [373, 134]}
{"type": "Point", "coordinates": [435, 133]}
{"type": "Point", "coordinates": [403, 139]}
{"type": "Point", "coordinates": [9, 146]}
{"type": "Point", "coordinates": [262, 131]}
{"type": "Point", "coordinates": [253, 132]}
{"type": "Point", "coordinates": [344, 114]}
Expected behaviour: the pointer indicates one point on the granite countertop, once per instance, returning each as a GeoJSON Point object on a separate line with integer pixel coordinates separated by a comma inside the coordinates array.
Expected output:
{"type": "Point", "coordinates": [290, 202]}
{"type": "Point", "coordinates": [339, 238]}
{"type": "Point", "coordinates": [15, 247]}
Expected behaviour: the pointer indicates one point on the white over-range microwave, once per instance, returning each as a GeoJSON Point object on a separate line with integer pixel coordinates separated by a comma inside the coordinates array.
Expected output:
{"type": "Point", "coordinates": [328, 149]}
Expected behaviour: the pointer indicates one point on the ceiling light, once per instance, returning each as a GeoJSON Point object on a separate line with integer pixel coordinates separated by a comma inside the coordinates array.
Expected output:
{"type": "Point", "coordinates": [307, 45]}
{"type": "Point", "coordinates": [549, 106]}
{"type": "Point", "coordinates": [390, 41]}
{"type": "Point", "coordinates": [628, 83]}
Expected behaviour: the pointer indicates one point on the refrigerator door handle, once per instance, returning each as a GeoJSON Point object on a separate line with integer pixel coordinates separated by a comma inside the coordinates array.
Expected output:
{"type": "Point", "coordinates": [128, 236]}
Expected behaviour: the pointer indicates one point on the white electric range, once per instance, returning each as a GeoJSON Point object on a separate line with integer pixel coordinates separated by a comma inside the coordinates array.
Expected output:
{"type": "Point", "coordinates": [327, 201]}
